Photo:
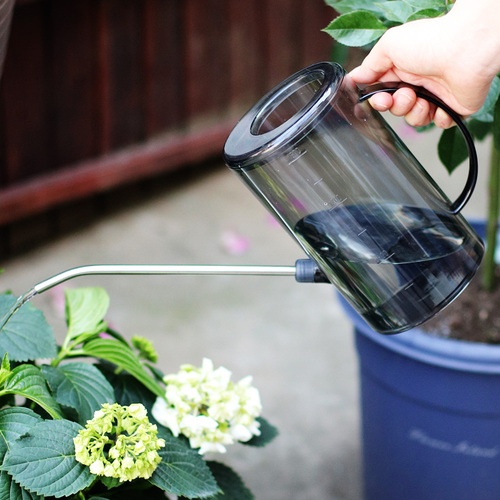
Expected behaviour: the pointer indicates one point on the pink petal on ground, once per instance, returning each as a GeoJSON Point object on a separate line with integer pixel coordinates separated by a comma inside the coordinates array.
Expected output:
{"type": "Point", "coordinates": [234, 243]}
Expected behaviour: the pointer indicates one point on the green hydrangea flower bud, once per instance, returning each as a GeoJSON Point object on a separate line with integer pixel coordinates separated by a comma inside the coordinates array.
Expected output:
{"type": "Point", "coordinates": [119, 442]}
{"type": "Point", "coordinates": [145, 348]}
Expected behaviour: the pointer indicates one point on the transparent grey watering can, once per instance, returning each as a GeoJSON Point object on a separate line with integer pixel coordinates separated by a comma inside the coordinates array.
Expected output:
{"type": "Point", "coordinates": [346, 187]}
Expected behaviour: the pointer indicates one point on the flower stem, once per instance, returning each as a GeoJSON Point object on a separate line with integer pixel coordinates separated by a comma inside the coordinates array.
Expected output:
{"type": "Point", "coordinates": [489, 265]}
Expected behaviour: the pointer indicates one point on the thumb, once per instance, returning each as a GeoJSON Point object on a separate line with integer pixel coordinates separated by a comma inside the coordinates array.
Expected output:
{"type": "Point", "coordinates": [365, 74]}
{"type": "Point", "coordinates": [377, 65]}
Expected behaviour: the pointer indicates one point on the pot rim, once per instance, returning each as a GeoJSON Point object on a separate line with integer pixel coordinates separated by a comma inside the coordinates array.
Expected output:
{"type": "Point", "coordinates": [427, 348]}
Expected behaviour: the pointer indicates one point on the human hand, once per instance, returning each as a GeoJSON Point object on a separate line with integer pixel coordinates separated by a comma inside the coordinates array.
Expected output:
{"type": "Point", "coordinates": [451, 57]}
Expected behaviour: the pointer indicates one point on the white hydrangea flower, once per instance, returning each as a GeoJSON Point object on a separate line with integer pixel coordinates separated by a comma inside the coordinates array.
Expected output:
{"type": "Point", "coordinates": [206, 407]}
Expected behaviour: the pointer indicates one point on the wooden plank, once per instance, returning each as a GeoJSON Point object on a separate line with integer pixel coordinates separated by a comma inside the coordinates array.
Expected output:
{"type": "Point", "coordinates": [6, 9]}
{"type": "Point", "coordinates": [219, 50]}
{"type": "Point", "coordinates": [73, 78]}
{"type": "Point", "coordinates": [164, 83]}
{"type": "Point", "coordinates": [104, 173]}
{"type": "Point", "coordinates": [126, 85]}
{"type": "Point", "coordinates": [246, 56]}
{"type": "Point", "coordinates": [282, 34]}
{"type": "Point", "coordinates": [102, 90]}
{"type": "Point", "coordinates": [24, 107]}
{"type": "Point", "coordinates": [316, 44]}
{"type": "Point", "coordinates": [205, 57]}
{"type": "Point", "coordinates": [195, 57]}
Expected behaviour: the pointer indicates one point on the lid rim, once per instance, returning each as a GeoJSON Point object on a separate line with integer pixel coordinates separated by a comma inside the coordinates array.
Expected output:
{"type": "Point", "coordinates": [244, 148]}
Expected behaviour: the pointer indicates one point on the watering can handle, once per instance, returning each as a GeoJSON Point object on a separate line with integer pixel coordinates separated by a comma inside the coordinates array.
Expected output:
{"type": "Point", "coordinates": [392, 87]}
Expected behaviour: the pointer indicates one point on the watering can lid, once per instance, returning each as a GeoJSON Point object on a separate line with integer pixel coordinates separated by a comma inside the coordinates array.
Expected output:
{"type": "Point", "coordinates": [247, 145]}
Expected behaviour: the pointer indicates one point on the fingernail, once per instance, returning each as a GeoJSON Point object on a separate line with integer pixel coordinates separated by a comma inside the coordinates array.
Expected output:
{"type": "Point", "coordinates": [378, 106]}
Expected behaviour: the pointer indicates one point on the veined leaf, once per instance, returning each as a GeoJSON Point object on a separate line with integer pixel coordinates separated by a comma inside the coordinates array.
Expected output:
{"type": "Point", "coordinates": [80, 386]}
{"type": "Point", "coordinates": [229, 482]}
{"type": "Point", "coordinates": [85, 310]}
{"type": "Point", "coordinates": [121, 355]}
{"type": "Point", "coordinates": [346, 6]}
{"type": "Point", "coordinates": [15, 422]}
{"type": "Point", "coordinates": [10, 490]}
{"type": "Point", "coordinates": [5, 369]}
{"type": "Point", "coordinates": [425, 14]}
{"type": "Point", "coordinates": [43, 461]}
{"type": "Point", "coordinates": [397, 10]}
{"type": "Point", "coordinates": [129, 390]}
{"type": "Point", "coordinates": [27, 381]}
{"type": "Point", "coordinates": [479, 129]}
{"type": "Point", "coordinates": [182, 471]}
{"type": "Point", "coordinates": [428, 4]}
{"type": "Point", "coordinates": [27, 335]}
{"type": "Point", "coordinates": [356, 28]}
{"type": "Point", "coordinates": [485, 114]}
{"type": "Point", "coordinates": [452, 148]}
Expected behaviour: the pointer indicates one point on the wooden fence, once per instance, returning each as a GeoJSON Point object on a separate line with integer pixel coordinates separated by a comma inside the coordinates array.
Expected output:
{"type": "Point", "coordinates": [98, 93]}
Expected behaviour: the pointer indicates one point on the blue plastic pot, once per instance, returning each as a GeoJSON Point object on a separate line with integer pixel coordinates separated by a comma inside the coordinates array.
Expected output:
{"type": "Point", "coordinates": [430, 416]}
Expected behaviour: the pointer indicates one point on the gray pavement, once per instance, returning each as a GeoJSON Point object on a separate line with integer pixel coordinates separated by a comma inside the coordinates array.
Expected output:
{"type": "Point", "coordinates": [293, 338]}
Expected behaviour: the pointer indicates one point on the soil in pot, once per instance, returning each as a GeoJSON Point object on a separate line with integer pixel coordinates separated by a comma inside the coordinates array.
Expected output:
{"type": "Point", "coordinates": [474, 316]}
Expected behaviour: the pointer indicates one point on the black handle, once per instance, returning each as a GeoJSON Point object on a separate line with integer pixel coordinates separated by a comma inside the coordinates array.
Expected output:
{"type": "Point", "coordinates": [470, 184]}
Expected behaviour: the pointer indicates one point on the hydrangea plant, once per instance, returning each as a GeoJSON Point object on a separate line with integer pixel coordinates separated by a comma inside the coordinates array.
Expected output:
{"type": "Point", "coordinates": [77, 420]}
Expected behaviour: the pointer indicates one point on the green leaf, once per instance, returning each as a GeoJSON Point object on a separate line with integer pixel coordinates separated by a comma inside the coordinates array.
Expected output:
{"type": "Point", "coordinates": [428, 4]}
{"type": "Point", "coordinates": [485, 114]}
{"type": "Point", "coordinates": [396, 10]}
{"type": "Point", "coordinates": [43, 461]}
{"type": "Point", "coordinates": [110, 482]}
{"type": "Point", "coordinates": [121, 355]}
{"type": "Point", "coordinates": [229, 482]}
{"type": "Point", "coordinates": [80, 386]}
{"type": "Point", "coordinates": [452, 149]}
{"type": "Point", "coordinates": [346, 6]}
{"type": "Point", "coordinates": [267, 433]}
{"type": "Point", "coordinates": [479, 129]}
{"type": "Point", "coordinates": [15, 422]}
{"type": "Point", "coordinates": [157, 373]}
{"type": "Point", "coordinates": [425, 14]}
{"type": "Point", "coordinates": [85, 310]}
{"type": "Point", "coordinates": [496, 125]}
{"type": "Point", "coordinates": [5, 369]}
{"type": "Point", "coordinates": [182, 471]}
{"type": "Point", "coordinates": [10, 490]}
{"type": "Point", "coordinates": [129, 390]}
{"type": "Point", "coordinates": [27, 335]}
{"type": "Point", "coordinates": [356, 28]}
{"type": "Point", "coordinates": [27, 381]}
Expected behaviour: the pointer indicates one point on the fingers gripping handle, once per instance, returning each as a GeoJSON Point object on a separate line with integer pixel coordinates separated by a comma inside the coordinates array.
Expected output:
{"type": "Point", "coordinates": [470, 183]}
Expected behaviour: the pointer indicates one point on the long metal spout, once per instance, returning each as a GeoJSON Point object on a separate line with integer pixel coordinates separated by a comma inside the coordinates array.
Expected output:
{"type": "Point", "coordinates": [126, 269]}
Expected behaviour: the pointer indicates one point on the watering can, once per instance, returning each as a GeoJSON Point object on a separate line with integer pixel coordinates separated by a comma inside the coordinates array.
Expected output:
{"type": "Point", "coordinates": [346, 187]}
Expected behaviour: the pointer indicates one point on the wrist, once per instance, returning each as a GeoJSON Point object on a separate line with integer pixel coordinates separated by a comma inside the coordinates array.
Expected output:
{"type": "Point", "coordinates": [476, 24]}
